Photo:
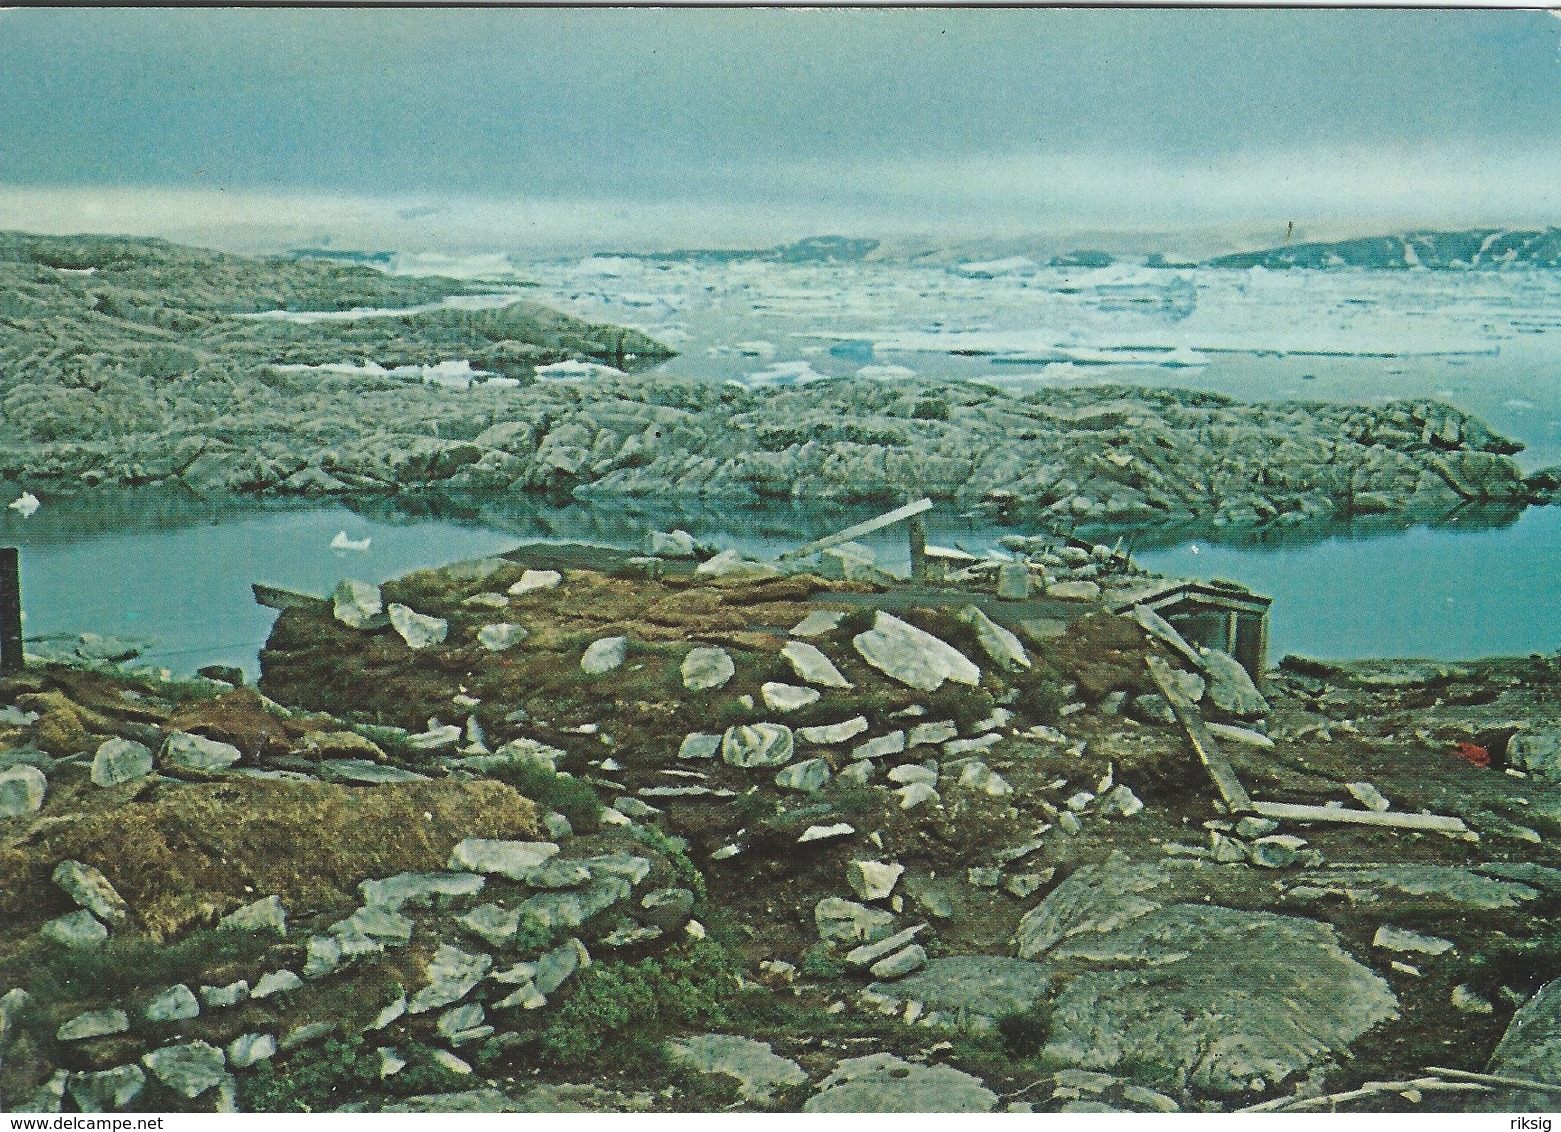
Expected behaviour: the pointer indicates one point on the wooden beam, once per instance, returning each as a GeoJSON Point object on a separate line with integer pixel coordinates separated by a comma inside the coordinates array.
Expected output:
{"type": "Point", "coordinates": [1164, 632]}
{"type": "Point", "coordinates": [1433, 823]}
{"type": "Point", "coordinates": [1497, 1079]}
{"type": "Point", "coordinates": [1204, 745]}
{"type": "Point", "coordinates": [274, 597]}
{"type": "Point", "coordinates": [860, 529]}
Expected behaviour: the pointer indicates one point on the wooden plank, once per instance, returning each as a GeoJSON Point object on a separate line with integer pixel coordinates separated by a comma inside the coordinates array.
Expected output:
{"type": "Point", "coordinates": [274, 597]}
{"type": "Point", "coordinates": [1434, 823]}
{"type": "Point", "coordinates": [1204, 745]}
{"type": "Point", "coordinates": [864, 528]}
{"type": "Point", "coordinates": [1497, 1079]}
{"type": "Point", "coordinates": [1164, 632]}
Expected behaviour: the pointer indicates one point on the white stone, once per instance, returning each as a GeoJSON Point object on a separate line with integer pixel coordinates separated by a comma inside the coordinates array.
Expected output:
{"type": "Point", "coordinates": [120, 760]}
{"type": "Point", "coordinates": [876, 748]}
{"type": "Point", "coordinates": [873, 880]}
{"type": "Point", "coordinates": [604, 655]}
{"type": "Point", "coordinates": [757, 744]}
{"type": "Point", "coordinates": [705, 669]}
{"type": "Point", "coordinates": [534, 580]}
{"type": "Point", "coordinates": [846, 921]}
{"type": "Point", "coordinates": [787, 697]}
{"type": "Point", "coordinates": [109, 1090]}
{"type": "Point", "coordinates": [91, 890]}
{"type": "Point", "coordinates": [1002, 646]}
{"type": "Point", "coordinates": [251, 1049]}
{"type": "Point", "coordinates": [808, 776]}
{"type": "Point", "coordinates": [670, 544]}
{"type": "Point", "coordinates": [22, 790]}
{"type": "Point", "coordinates": [979, 776]}
{"type": "Point", "coordinates": [77, 929]}
{"type": "Point", "coordinates": [358, 605]}
{"type": "Point", "coordinates": [939, 731]}
{"type": "Point", "coordinates": [189, 1069]}
{"type": "Point", "coordinates": [699, 745]}
{"type": "Point", "coordinates": [276, 982]}
{"type": "Point", "coordinates": [510, 859]}
{"type": "Point", "coordinates": [487, 601]}
{"type": "Point", "coordinates": [826, 832]}
{"type": "Point", "coordinates": [264, 915]}
{"type": "Point", "coordinates": [1074, 591]}
{"type": "Point", "coordinates": [901, 963]}
{"type": "Point", "coordinates": [1242, 735]}
{"type": "Point", "coordinates": [914, 658]}
{"type": "Point", "coordinates": [500, 636]}
{"type": "Point", "coordinates": [230, 995]}
{"type": "Point", "coordinates": [1369, 796]}
{"type": "Point", "coordinates": [818, 623]}
{"type": "Point", "coordinates": [828, 734]}
{"type": "Point", "coordinates": [915, 794]}
{"type": "Point", "coordinates": [183, 751]}
{"type": "Point", "coordinates": [173, 1005]}
{"type": "Point", "coordinates": [812, 666]}
{"type": "Point", "coordinates": [1390, 938]}
{"type": "Point", "coordinates": [94, 1024]}
{"type": "Point", "coordinates": [418, 630]}
{"type": "Point", "coordinates": [913, 772]}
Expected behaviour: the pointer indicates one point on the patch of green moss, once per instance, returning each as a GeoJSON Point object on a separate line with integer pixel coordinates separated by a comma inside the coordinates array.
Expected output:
{"type": "Point", "coordinates": [575, 799]}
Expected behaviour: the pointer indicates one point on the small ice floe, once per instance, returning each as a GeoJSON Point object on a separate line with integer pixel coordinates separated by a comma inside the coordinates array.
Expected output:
{"type": "Point", "coordinates": [575, 369]}
{"type": "Point", "coordinates": [25, 504]}
{"type": "Point", "coordinates": [756, 349]}
{"type": "Point", "coordinates": [885, 372]}
{"type": "Point", "coordinates": [784, 374]}
{"type": "Point", "coordinates": [342, 542]}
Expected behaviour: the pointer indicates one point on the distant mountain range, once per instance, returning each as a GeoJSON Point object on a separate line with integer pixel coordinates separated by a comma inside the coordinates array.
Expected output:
{"type": "Point", "coordinates": [1477, 249]}
{"type": "Point", "coordinates": [813, 249]}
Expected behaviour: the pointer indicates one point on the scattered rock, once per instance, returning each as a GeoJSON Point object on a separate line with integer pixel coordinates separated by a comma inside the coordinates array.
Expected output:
{"type": "Point", "coordinates": [22, 790]}
{"type": "Point", "coordinates": [91, 890]}
{"type": "Point", "coordinates": [880, 746]}
{"type": "Point", "coordinates": [849, 922]}
{"type": "Point", "coordinates": [973, 991]}
{"type": "Point", "coordinates": [276, 982]}
{"type": "Point", "coordinates": [705, 669]}
{"type": "Point", "coordinates": [77, 929]}
{"type": "Point", "coordinates": [418, 888]}
{"type": "Point", "coordinates": [812, 666]}
{"type": "Point", "coordinates": [94, 1024]}
{"type": "Point", "coordinates": [699, 745]}
{"type": "Point", "coordinates": [189, 1069]}
{"type": "Point", "coordinates": [1074, 591]}
{"type": "Point", "coordinates": [758, 1069]}
{"type": "Point", "coordinates": [452, 973]}
{"type": "Point", "coordinates": [358, 605]}
{"type": "Point", "coordinates": [817, 624]}
{"type": "Point", "coordinates": [1276, 851]}
{"type": "Point", "coordinates": [901, 963]}
{"type": "Point", "coordinates": [1390, 938]}
{"type": "Point", "coordinates": [183, 751]}
{"type": "Point", "coordinates": [808, 776]}
{"type": "Point", "coordinates": [173, 1005]}
{"type": "Point", "coordinates": [869, 953]}
{"type": "Point", "coordinates": [1466, 1000]}
{"type": "Point", "coordinates": [108, 1090]}
{"type": "Point", "coordinates": [418, 630]}
{"type": "Point", "coordinates": [533, 581]}
{"type": "Point", "coordinates": [230, 995]}
{"type": "Point", "coordinates": [997, 642]}
{"type": "Point", "coordinates": [264, 915]}
{"type": "Point", "coordinates": [604, 655]}
{"type": "Point", "coordinates": [939, 731]}
{"type": "Point", "coordinates": [873, 880]}
{"type": "Point", "coordinates": [500, 636]}
{"type": "Point", "coordinates": [787, 697]}
{"type": "Point", "coordinates": [1230, 688]}
{"type": "Point", "coordinates": [251, 1049]}
{"type": "Point", "coordinates": [118, 761]}
{"type": "Point", "coordinates": [757, 745]}
{"type": "Point", "coordinates": [829, 734]}
{"type": "Point", "coordinates": [511, 859]}
{"type": "Point", "coordinates": [915, 658]}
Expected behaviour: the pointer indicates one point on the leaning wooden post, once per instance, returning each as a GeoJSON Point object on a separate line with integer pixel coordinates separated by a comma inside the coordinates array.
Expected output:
{"type": "Point", "coordinates": [10, 611]}
{"type": "Point", "coordinates": [916, 531]}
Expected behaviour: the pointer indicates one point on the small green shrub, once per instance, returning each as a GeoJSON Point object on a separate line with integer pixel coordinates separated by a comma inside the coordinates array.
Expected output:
{"type": "Point", "coordinates": [575, 799]}
{"type": "Point", "coordinates": [323, 1077]}
{"type": "Point", "coordinates": [820, 962]}
{"type": "Point", "coordinates": [931, 409]}
{"type": "Point", "coordinates": [685, 873]}
{"type": "Point", "coordinates": [626, 1010]}
{"type": "Point", "coordinates": [121, 966]}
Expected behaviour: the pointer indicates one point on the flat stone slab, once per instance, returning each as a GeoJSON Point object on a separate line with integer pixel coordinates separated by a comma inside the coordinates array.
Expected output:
{"type": "Point", "coordinates": [22, 790]}
{"type": "Point", "coordinates": [915, 658]}
{"type": "Point", "coordinates": [1447, 887]}
{"type": "Point", "coordinates": [1095, 898]}
{"type": "Point", "coordinates": [882, 1082]}
{"type": "Point", "coordinates": [118, 761]}
{"type": "Point", "coordinates": [812, 666]}
{"type": "Point", "coordinates": [1215, 995]}
{"type": "Point", "coordinates": [418, 630]}
{"type": "Point", "coordinates": [603, 656]}
{"type": "Point", "coordinates": [705, 669]}
{"type": "Point", "coordinates": [512, 859]}
{"type": "Point", "coordinates": [189, 1069]}
{"type": "Point", "coordinates": [758, 1068]}
{"type": "Point", "coordinates": [973, 991]}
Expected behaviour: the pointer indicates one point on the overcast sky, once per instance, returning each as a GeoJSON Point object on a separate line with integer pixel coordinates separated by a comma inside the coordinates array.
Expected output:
{"type": "Point", "coordinates": [623, 126]}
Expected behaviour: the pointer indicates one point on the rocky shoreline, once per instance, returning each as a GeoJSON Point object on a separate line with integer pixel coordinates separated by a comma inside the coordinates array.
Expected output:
{"type": "Point", "coordinates": [1104, 456]}
{"type": "Point", "coordinates": [718, 836]}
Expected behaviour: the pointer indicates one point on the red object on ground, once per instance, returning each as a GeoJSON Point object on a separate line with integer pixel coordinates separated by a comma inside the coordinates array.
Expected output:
{"type": "Point", "coordinates": [1472, 753]}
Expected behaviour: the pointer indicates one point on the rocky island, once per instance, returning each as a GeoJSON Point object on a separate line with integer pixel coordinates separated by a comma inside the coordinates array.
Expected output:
{"type": "Point", "coordinates": [131, 362]}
